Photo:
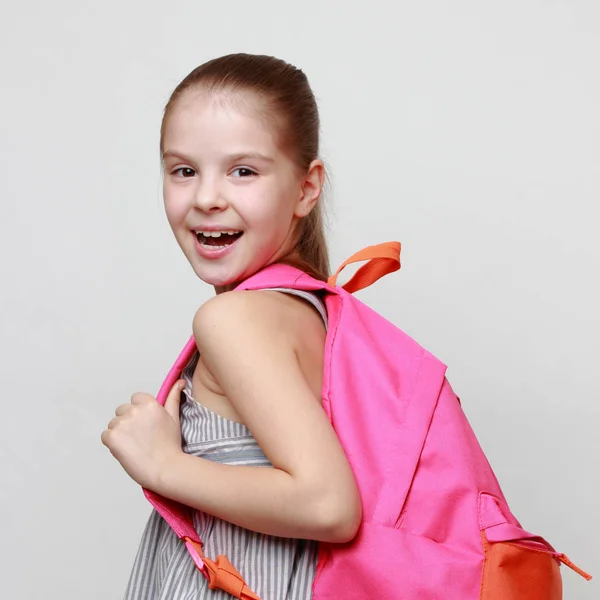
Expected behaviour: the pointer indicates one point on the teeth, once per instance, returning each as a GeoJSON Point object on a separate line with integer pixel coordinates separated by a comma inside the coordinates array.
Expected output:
{"type": "Point", "coordinates": [217, 234]}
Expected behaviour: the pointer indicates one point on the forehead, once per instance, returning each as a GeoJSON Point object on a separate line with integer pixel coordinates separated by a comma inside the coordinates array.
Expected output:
{"type": "Point", "coordinates": [205, 121]}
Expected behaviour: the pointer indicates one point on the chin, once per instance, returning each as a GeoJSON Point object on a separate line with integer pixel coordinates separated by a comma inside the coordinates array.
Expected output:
{"type": "Point", "coordinates": [224, 274]}
{"type": "Point", "coordinates": [219, 277]}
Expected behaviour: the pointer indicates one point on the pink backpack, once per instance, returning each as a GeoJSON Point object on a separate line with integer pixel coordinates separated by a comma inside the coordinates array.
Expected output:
{"type": "Point", "coordinates": [435, 522]}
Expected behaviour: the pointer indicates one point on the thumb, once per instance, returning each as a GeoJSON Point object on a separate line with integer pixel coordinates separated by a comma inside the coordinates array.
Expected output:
{"type": "Point", "coordinates": [173, 399]}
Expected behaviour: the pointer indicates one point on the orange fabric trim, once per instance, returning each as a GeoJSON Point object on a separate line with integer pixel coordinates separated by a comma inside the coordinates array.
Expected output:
{"type": "Point", "coordinates": [383, 259]}
{"type": "Point", "coordinates": [224, 576]}
{"type": "Point", "coordinates": [513, 571]}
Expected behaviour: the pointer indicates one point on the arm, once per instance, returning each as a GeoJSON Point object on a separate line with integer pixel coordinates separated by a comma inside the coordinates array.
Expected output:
{"type": "Point", "coordinates": [310, 492]}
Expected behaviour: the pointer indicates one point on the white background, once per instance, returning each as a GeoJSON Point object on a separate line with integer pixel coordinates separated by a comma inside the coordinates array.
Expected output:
{"type": "Point", "coordinates": [468, 130]}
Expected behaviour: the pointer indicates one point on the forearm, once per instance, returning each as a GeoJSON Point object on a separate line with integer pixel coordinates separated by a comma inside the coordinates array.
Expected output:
{"type": "Point", "coordinates": [263, 499]}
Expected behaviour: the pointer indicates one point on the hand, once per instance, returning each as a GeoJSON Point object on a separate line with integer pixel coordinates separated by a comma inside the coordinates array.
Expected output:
{"type": "Point", "coordinates": [145, 436]}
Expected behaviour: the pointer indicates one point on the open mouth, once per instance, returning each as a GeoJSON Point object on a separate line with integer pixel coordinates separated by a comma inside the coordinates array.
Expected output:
{"type": "Point", "coordinates": [217, 239]}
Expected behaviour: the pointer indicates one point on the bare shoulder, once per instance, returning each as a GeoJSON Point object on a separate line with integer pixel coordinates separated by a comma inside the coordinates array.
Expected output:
{"type": "Point", "coordinates": [239, 310]}
{"type": "Point", "coordinates": [258, 315]}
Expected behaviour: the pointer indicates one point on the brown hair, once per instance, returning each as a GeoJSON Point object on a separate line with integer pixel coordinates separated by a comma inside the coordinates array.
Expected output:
{"type": "Point", "coordinates": [291, 106]}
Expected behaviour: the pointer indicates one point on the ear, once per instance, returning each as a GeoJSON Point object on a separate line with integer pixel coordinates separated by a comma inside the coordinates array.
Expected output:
{"type": "Point", "coordinates": [311, 188]}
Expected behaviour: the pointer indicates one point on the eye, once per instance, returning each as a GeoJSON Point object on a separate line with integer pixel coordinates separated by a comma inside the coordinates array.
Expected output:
{"type": "Point", "coordinates": [243, 172]}
{"type": "Point", "coordinates": [184, 172]}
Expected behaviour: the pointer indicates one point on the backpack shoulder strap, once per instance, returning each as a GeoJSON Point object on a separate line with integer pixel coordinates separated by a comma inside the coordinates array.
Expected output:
{"type": "Point", "coordinates": [220, 572]}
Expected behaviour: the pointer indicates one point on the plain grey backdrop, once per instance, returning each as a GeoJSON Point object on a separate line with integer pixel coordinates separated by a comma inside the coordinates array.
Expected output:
{"type": "Point", "coordinates": [468, 130]}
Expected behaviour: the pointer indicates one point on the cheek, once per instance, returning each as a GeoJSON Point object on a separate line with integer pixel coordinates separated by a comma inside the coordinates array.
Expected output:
{"type": "Point", "coordinates": [272, 221]}
{"type": "Point", "coordinates": [175, 207]}
{"type": "Point", "coordinates": [269, 206]}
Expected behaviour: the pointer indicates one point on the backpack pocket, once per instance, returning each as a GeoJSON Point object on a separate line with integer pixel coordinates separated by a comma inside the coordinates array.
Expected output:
{"type": "Point", "coordinates": [517, 564]}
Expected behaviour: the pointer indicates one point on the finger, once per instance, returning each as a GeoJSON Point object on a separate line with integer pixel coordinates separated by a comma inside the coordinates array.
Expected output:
{"type": "Point", "coordinates": [141, 398]}
{"type": "Point", "coordinates": [113, 423]}
{"type": "Point", "coordinates": [104, 437]}
{"type": "Point", "coordinates": [173, 399]}
{"type": "Point", "coordinates": [107, 440]}
{"type": "Point", "coordinates": [123, 409]}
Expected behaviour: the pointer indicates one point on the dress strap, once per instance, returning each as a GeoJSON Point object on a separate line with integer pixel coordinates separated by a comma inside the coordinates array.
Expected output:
{"type": "Point", "coordinates": [308, 296]}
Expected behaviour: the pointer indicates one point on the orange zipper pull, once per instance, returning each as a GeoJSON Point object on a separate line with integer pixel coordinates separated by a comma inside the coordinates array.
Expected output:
{"type": "Point", "coordinates": [567, 561]}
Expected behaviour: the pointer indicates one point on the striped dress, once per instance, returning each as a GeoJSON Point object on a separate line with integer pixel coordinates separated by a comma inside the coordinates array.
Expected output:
{"type": "Point", "coordinates": [275, 568]}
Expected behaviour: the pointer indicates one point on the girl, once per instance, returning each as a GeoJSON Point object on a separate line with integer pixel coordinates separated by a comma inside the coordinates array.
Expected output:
{"type": "Point", "coordinates": [247, 444]}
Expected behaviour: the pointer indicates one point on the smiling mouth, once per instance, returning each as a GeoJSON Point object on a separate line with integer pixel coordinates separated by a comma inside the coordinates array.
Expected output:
{"type": "Point", "coordinates": [217, 239]}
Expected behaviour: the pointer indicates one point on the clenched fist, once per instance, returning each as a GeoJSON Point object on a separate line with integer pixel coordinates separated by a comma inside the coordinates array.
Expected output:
{"type": "Point", "coordinates": [145, 436]}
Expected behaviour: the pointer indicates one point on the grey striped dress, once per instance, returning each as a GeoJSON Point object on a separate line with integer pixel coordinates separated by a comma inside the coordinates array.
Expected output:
{"type": "Point", "coordinates": [274, 568]}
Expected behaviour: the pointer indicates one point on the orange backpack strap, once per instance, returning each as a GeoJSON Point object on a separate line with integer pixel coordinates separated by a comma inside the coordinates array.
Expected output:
{"type": "Point", "coordinates": [383, 259]}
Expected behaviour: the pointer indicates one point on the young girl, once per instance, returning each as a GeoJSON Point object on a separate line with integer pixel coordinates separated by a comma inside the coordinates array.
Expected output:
{"type": "Point", "coordinates": [247, 444]}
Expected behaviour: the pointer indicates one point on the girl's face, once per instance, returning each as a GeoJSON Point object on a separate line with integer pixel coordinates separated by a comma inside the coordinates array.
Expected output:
{"type": "Point", "coordinates": [232, 196]}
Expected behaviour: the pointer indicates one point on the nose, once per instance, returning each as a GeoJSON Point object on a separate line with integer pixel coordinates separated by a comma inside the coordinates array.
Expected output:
{"type": "Point", "coordinates": [209, 196]}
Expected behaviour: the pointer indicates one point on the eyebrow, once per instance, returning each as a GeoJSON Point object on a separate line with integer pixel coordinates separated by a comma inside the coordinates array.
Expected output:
{"type": "Point", "coordinates": [238, 156]}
